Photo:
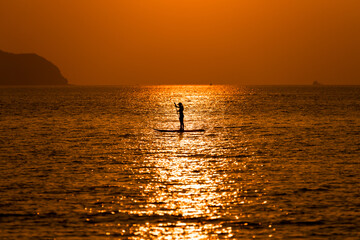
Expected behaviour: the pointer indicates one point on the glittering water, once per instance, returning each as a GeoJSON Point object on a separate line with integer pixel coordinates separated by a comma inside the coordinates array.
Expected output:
{"type": "Point", "coordinates": [274, 162]}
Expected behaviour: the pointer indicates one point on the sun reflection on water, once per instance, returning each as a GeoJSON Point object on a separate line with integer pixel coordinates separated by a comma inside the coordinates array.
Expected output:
{"type": "Point", "coordinates": [187, 185]}
{"type": "Point", "coordinates": [186, 188]}
{"type": "Point", "coordinates": [85, 162]}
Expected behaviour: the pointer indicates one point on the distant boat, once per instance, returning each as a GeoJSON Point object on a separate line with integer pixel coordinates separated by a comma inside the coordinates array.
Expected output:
{"type": "Point", "coordinates": [316, 83]}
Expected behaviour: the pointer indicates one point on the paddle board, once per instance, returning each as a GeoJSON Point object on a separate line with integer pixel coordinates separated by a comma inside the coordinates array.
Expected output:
{"type": "Point", "coordinates": [179, 131]}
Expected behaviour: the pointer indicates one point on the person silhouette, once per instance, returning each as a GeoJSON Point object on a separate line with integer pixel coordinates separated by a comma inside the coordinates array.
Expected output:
{"type": "Point", "coordinates": [180, 110]}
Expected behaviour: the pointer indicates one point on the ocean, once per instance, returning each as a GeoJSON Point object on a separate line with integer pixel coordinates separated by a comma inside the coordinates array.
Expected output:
{"type": "Point", "coordinates": [275, 162]}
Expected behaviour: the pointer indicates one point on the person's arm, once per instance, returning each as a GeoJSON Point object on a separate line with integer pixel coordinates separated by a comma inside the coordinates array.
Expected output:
{"type": "Point", "coordinates": [176, 105]}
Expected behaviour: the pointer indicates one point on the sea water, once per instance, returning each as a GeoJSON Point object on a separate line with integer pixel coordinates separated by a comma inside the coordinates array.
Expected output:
{"type": "Point", "coordinates": [277, 162]}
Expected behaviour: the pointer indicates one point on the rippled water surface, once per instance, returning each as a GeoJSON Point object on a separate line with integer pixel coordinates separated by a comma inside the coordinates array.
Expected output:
{"type": "Point", "coordinates": [274, 162]}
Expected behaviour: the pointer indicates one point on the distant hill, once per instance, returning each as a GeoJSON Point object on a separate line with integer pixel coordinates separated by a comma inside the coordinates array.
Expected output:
{"type": "Point", "coordinates": [28, 69]}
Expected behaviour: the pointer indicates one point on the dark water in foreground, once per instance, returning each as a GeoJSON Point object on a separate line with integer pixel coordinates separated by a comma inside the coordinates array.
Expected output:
{"type": "Point", "coordinates": [274, 162]}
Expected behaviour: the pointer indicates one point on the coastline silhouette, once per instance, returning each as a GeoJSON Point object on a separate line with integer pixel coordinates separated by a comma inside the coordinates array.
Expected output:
{"type": "Point", "coordinates": [28, 69]}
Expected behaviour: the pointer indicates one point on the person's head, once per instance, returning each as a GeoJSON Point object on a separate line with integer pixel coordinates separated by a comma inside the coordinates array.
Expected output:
{"type": "Point", "coordinates": [180, 104]}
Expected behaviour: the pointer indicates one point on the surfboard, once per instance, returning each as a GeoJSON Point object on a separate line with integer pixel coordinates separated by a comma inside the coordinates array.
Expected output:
{"type": "Point", "coordinates": [180, 131]}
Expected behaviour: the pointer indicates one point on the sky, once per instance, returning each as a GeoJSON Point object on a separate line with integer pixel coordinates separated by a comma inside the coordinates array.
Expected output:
{"type": "Point", "coordinates": [115, 42]}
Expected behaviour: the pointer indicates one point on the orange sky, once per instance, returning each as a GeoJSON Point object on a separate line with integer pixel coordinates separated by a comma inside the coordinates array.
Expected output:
{"type": "Point", "coordinates": [189, 41]}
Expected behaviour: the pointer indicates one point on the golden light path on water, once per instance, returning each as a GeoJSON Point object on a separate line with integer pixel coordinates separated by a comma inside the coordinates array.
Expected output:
{"type": "Point", "coordinates": [191, 185]}
{"type": "Point", "coordinates": [86, 162]}
{"type": "Point", "coordinates": [189, 191]}
{"type": "Point", "coordinates": [188, 187]}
